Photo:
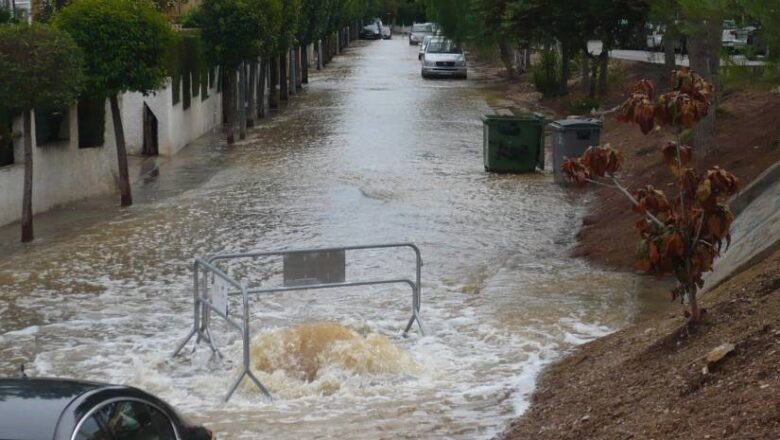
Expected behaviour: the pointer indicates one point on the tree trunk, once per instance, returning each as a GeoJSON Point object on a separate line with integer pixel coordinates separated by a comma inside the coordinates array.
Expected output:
{"type": "Point", "coordinates": [506, 57]}
{"type": "Point", "coordinates": [261, 86]}
{"type": "Point", "coordinates": [704, 53]}
{"type": "Point", "coordinates": [564, 84]}
{"type": "Point", "coordinates": [603, 71]}
{"type": "Point", "coordinates": [319, 54]}
{"type": "Point", "coordinates": [670, 59]}
{"type": "Point", "coordinates": [242, 101]}
{"type": "Point", "coordinates": [585, 69]}
{"type": "Point", "coordinates": [305, 64]}
{"type": "Point", "coordinates": [252, 94]}
{"type": "Point", "coordinates": [298, 68]}
{"type": "Point", "coordinates": [228, 102]}
{"type": "Point", "coordinates": [594, 75]}
{"type": "Point", "coordinates": [696, 314]}
{"type": "Point", "coordinates": [27, 215]}
{"type": "Point", "coordinates": [527, 56]}
{"type": "Point", "coordinates": [121, 152]}
{"type": "Point", "coordinates": [293, 87]}
{"type": "Point", "coordinates": [273, 91]}
{"type": "Point", "coordinates": [325, 50]}
{"type": "Point", "coordinates": [284, 76]}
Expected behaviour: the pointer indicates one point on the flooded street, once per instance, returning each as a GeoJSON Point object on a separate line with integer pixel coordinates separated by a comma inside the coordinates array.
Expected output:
{"type": "Point", "coordinates": [369, 153]}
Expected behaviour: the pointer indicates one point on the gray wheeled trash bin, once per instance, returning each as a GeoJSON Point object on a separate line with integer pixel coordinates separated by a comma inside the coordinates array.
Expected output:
{"type": "Point", "coordinates": [571, 137]}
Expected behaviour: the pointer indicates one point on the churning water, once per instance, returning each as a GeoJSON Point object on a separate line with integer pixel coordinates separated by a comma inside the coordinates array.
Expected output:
{"type": "Point", "coordinates": [369, 154]}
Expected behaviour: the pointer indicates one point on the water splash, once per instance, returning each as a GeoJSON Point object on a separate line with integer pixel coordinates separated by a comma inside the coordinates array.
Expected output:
{"type": "Point", "coordinates": [305, 352]}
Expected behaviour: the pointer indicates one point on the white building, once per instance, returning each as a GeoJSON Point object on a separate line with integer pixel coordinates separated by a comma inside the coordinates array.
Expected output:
{"type": "Point", "coordinates": [65, 171]}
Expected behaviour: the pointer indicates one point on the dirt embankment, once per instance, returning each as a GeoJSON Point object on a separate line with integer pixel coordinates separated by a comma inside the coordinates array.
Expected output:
{"type": "Point", "coordinates": [653, 380]}
{"type": "Point", "coordinates": [748, 141]}
{"type": "Point", "coordinates": [649, 380]}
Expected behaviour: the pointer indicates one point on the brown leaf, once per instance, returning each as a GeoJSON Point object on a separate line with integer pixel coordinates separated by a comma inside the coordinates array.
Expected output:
{"type": "Point", "coordinates": [704, 190]}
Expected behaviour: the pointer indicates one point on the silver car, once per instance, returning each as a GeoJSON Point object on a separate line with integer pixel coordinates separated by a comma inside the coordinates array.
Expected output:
{"type": "Point", "coordinates": [444, 57]}
{"type": "Point", "coordinates": [423, 45]}
{"type": "Point", "coordinates": [419, 31]}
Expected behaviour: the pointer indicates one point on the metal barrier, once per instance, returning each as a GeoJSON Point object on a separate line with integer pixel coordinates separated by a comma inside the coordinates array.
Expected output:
{"type": "Point", "coordinates": [305, 269]}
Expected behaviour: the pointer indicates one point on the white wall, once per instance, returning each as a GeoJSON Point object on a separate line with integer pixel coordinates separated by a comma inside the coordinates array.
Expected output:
{"type": "Point", "coordinates": [64, 173]}
{"type": "Point", "coordinates": [61, 173]}
{"type": "Point", "coordinates": [176, 127]}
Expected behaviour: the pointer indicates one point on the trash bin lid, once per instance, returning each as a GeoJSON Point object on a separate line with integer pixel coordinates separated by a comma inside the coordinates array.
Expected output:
{"type": "Point", "coordinates": [523, 117]}
{"type": "Point", "coordinates": [576, 123]}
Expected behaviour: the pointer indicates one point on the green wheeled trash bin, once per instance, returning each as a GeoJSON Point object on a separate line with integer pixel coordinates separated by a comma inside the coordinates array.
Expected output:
{"type": "Point", "coordinates": [571, 138]}
{"type": "Point", "coordinates": [513, 143]}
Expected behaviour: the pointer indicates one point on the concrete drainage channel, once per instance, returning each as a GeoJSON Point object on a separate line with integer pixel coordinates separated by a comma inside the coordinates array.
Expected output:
{"type": "Point", "coordinates": [756, 229]}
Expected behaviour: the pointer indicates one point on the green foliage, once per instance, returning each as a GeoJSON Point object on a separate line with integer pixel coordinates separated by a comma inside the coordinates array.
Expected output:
{"type": "Point", "coordinates": [313, 20]}
{"type": "Point", "coordinates": [546, 73]}
{"type": "Point", "coordinates": [411, 12]}
{"type": "Point", "coordinates": [291, 11]}
{"type": "Point", "coordinates": [190, 18]}
{"type": "Point", "coordinates": [126, 41]}
{"type": "Point", "coordinates": [231, 30]}
{"type": "Point", "coordinates": [166, 5]}
{"type": "Point", "coordinates": [5, 15]}
{"type": "Point", "coordinates": [271, 26]}
{"type": "Point", "coordinates": [39, 66]}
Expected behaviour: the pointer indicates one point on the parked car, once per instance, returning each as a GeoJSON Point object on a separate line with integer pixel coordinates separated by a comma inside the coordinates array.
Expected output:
{"type": "Point", "coordinates": [655, 36]}
{"type": "Point", "coordinates": [58, 409]}
{"type": "Point", "coordinates": [387, 33]}
{"type": "Point", "coordinates": [740, 40]}
{"type": "Point", "coordinates": [420, 31]}
{"type": "Point", "coordinates": [423, 44]}
{"type": "Point", "coordinates": [371, 32]}
{"type": "Point", "coordinates": [657, 41]}
{"type": "Point", "coordinates": [444, 57]}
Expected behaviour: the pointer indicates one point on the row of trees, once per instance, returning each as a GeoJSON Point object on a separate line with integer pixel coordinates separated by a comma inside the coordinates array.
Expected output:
{"type": "Point", "coordinates": [567, 26]}
{"type": "Point", "coordinates": [561, 29]}
{"type": "Point", "coordinates": [103, 48]}
{"type": "Point", "coordinates": [250, 39]}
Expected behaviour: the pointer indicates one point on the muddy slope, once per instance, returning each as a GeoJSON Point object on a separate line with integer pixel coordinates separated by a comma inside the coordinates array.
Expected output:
{"type": "Point", "coordinates": [649, 380]}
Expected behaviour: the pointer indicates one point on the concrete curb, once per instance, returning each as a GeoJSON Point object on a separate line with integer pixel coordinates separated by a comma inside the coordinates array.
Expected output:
{"type": "Point", "coordinates": [740, 201]}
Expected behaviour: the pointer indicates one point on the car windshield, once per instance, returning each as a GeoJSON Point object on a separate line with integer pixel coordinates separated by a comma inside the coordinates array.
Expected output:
{"type": "Point", "coordinates": [422, 28]}
{"type": "Point", "coordinates": [443, 47]}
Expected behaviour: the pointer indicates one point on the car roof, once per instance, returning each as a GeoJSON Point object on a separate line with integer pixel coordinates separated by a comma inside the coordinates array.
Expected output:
{"type": "Point", "coordinates": [31, 408]}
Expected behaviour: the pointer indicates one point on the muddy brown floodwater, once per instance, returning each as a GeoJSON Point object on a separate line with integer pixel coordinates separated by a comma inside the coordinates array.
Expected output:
{"type": "Point", "coordinates": [370, 153]}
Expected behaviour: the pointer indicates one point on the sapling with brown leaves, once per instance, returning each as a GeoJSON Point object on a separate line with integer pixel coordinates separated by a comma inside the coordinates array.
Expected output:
{"type": "Point", "coordinates": [682, 235]}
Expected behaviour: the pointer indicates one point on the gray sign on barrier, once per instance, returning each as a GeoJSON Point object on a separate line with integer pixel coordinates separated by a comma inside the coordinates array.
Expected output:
{"type": "Point", "coordinates": [314, 267]}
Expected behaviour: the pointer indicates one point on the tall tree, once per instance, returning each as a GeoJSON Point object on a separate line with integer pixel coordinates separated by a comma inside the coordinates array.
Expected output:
{"type": "Point", "coordinates": [231, 30]}
{"type": "Point", "coordinates": [39, 66]}
{"type": "Point", "coordinates": [703, 23]}
{"type": "Point", "coordinates": [291, 11]}
{"type": "Point", "coordinates": [614, 21]}
{"type": "Point", "coordinates": [313, 25]}
{"type": "Point", "coordinates": [125, 42]}
{"type": "Point", "coordinates": [667, 14]}
{"type": "Point", "coordinates": [270, 28]}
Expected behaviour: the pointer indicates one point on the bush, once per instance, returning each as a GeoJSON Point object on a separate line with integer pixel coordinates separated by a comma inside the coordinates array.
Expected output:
{"type": "Point", "coordinates": [5, 15]}
{"type": "Point", "coordinates": [546, 74]}
{"type": "Point", "coordinates": [191, 18]}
